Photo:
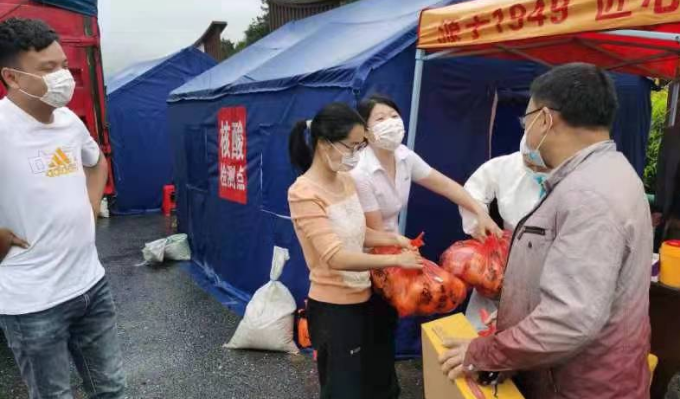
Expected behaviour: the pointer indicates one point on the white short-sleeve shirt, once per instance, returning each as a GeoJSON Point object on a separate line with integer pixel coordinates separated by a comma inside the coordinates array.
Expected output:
{"type": "Point", "coordinates": [507, 180]}
{"type": "Point", "coordinates": [377, 192]}
{"type": "Point", "coordinates": [44, 200]}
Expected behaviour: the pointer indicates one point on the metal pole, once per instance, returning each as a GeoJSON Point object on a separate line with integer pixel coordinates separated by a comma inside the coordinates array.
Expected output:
{"type": "Point", "coordinates": [413, 121]}
{"type": "Point", "coordinates": [671, 37]}
{"type": "Point", "coordinates": [675, 94]}
{"type": "Point", "coordinates": [440, 54]}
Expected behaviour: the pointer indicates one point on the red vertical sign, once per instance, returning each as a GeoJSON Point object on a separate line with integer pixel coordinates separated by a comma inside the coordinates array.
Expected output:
{"type": "Point", "coordinates": [233, 151]}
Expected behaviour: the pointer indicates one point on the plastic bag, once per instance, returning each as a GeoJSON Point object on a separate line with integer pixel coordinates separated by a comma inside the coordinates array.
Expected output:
{"type": "Point", "coordinates": [414, 292]}
{"type": "Point", "coordinates": [175, 247]}
{"type": "Point", "coordinates": [104, 209]}
{"type": "Point", "coordinates": [479, 264]}
{"type": "Point", "coordinates": [270, 316]}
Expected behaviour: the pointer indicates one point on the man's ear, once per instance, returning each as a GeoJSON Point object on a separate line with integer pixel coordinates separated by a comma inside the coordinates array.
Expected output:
{"type": "Point", "coordinates": [550, 117]}
{"type": "Point", "coordinates": [9, 77]}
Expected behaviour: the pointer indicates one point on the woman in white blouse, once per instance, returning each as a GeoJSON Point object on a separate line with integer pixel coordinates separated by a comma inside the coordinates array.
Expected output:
{"type": "Point", "coordinates": [383, 179]}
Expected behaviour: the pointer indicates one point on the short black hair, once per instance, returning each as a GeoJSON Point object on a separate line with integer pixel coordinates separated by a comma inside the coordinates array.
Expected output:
{"type": "Point", "coordinates": [18, 35]}
{"type": "Point", "coordinates": [365, 108]}
{"type": "Point", "coordinates": [583, 94]}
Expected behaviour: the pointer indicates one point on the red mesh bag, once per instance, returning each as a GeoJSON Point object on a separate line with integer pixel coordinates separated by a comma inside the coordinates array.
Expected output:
{"type": "Point", "coordinates": [425, 292]}
{"type": "Point", "coordinates": [479, 264]}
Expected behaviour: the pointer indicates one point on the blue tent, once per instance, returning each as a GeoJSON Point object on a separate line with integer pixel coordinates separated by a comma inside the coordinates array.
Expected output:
{"type": "Point", "coordinates": [85, 7]}
{"type": "Point", "coordinates": [137, 109]}
{"type": "Point", "coordinates": [343, 55]}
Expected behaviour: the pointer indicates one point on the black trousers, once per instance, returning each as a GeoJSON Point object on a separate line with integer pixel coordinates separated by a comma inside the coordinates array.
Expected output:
{"type": "Point", "coordinates": [353, 361]}
{"type": "Point", "coordinates": [384, 380]}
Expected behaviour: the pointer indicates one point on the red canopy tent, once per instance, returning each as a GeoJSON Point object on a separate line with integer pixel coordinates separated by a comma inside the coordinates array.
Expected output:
{"type": "Point", "coordinates": [559, 31]}
{"type": "Point", "coordinates": [639, 37]}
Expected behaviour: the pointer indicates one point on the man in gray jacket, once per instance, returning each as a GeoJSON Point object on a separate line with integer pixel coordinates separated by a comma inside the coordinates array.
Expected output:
{"type": "Point", "coordinates": [573, 320]}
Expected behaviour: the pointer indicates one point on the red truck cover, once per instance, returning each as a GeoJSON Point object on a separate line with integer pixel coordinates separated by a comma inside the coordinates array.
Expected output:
{"type": "Point", "coordinates": [80, 39]}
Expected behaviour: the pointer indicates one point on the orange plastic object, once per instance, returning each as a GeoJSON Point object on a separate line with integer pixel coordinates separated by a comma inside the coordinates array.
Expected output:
{"type": "Point", "coordinates": [303, 330]}
{"type": "Point", "coordinates": [670, 263]}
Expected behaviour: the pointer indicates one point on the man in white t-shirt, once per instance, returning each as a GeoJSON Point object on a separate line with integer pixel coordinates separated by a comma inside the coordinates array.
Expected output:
{"type": "Point", "coordinates": [55, 301]}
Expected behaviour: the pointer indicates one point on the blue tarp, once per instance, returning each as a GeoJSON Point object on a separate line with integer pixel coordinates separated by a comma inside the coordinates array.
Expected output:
{"type": "Point", "coordinates": [137, 111]}
{"type": "Point", "coordinates": [343, 55]}
{"type": "Point", "coordinates": [86, 7]}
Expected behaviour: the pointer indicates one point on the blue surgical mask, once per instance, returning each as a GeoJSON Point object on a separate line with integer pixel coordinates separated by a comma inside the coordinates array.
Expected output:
{"type": "Point", "coordinates": [533, 156]}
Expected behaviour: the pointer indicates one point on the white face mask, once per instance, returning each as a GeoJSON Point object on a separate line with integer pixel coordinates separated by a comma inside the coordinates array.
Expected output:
{"type": "Point", "coordinates": [389, 134]}
{"type": "Point", "coordinates": [348, 162]}
{"type": "Point", "coordinates": [60, 88]}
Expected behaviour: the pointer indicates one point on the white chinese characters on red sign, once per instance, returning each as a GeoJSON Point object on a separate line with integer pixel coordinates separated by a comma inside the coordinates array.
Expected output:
{"type": "Point", "coordinates": [233, 154]}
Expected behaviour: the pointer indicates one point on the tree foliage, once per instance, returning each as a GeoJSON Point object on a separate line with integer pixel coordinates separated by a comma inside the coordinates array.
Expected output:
{"type": "Point", "coordinates": [228, 47]}
{"type": "Point", "coordinates": [659, 110]}
{"type": "Point", "coordinates": [257, 29]}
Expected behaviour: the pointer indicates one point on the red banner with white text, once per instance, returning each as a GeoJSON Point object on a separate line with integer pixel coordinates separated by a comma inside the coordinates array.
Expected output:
{"type": "Point", "coordinates": [233, 154]}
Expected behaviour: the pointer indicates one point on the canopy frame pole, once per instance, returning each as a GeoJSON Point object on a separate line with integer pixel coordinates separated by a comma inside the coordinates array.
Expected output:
{"type": "Point", "coordinates": [439, 54]}
{"type": "Point", "coordinates": [413, 120]}
{"type": "Point", "coordinates": [460, 53]}
{"type": "Point", "coordinates": [615, 56]}
{"type": "Point", "coordinates": [523, 54]}
{"type": "Point", "coordinates": [474, 53]}
{"type": "Point", "coordinates": [629, 44]}
{"type": "Point", "coordinates": [643, 34]}
{"type": "Point", "coordinates": [639, 61]}
{"type": "Point", "coordinates": [675, 97]}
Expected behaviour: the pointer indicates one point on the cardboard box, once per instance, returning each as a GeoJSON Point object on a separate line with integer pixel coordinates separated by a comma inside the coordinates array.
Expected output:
{"type": "Point", "coordinates": [437, 385]}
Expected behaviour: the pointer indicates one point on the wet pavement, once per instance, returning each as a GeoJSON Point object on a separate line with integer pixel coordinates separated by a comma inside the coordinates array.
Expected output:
{"type": "Point", "coordinates": [172, 333]}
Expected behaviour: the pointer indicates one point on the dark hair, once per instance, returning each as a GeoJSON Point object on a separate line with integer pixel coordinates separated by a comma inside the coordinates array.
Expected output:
{"type": "Point", "coordinates": [333, 123]}
{"type": "Point", "coordinates": [18, 35]}
{"type": "Point", "coordinates": [583, 94]}
{"type": "Point", "coordinates": [365, 108]}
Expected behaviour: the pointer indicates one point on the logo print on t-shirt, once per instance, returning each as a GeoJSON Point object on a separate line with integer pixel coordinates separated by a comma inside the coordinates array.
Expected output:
{"type": "Point", "coordinates": [59, 163]}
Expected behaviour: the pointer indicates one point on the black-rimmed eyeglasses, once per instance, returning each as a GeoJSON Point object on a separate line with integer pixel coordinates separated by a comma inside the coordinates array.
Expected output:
{"type": "Point", "coordinates": [523, 119]}
{"type": "Point", "coordinates": [357, 147]}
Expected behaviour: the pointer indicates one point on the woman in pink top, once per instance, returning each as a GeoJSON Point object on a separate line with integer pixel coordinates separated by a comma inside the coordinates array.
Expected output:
{"type": "Point", "coordinates": [331, 227]}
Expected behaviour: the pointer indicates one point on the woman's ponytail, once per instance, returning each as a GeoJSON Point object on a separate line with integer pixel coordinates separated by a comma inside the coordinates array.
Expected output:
{"type": "Point", "coordinates": [301, 154]}
{"type": "Point", "coordinates": [332, 124]}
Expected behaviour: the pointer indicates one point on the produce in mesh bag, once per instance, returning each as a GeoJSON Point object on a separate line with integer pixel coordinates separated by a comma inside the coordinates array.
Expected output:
{"type": "Point", "coordinates": [479, 264]}
{"type": "Point", "coordinates": [425, 292]}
